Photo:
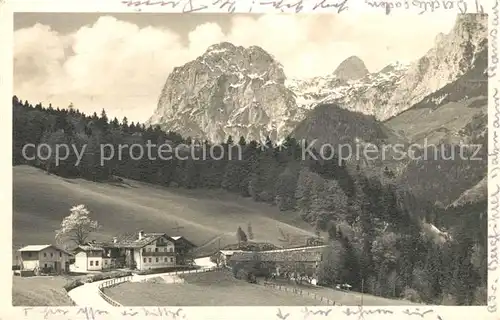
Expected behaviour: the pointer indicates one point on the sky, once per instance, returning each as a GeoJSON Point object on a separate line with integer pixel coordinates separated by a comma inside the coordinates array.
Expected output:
{"type": "Point", "coordinates": [120, 62]}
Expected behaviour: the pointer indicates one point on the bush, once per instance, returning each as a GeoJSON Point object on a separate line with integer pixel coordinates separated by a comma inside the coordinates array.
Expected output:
{"type": "Point", "coordinates": [252, 246]}
{"type": "Point", "coordinates": [240, 273]}
{"type": "Point", "coordinates": [73, 284]}
{"type": "Point", "coordinates": [109, 275]}
{"type": "Point", "coordinates": [243, 274]}
{"type": "Point", "coordinates": [96, 277]}
{"type": "Point", "coordinates": [167, 269]}
{"type": "Point", "coordinates": [411, 295]}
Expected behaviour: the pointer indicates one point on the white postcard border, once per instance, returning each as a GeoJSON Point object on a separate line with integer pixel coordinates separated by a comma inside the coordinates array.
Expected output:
{"type": "Point", "coordinates": [434, 9]}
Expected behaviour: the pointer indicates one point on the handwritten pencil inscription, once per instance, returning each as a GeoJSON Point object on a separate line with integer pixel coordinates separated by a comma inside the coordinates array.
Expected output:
{"type": "Point", "coordinates": [229, 6]}
{"type": "Point", "coordinates": [423, 6]}
{"type": "Point", "coordinates": [186, 5]}
{"type": "Point", "coordinates": [493, 45]}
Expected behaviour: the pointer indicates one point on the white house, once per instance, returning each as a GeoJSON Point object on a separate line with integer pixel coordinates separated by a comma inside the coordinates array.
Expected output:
{"type": "Point", "coordinates": [45, 258]}
{"type": "Point", "coordinates": [142, 251]}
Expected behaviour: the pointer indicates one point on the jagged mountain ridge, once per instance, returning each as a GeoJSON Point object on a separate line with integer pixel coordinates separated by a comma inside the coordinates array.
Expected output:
{"type": "Point", "coordinates": [363, 95]}
{"type": "Point", "coordinates": [231, 90]}
{"type": "Point", "coordinates": [397, 87]}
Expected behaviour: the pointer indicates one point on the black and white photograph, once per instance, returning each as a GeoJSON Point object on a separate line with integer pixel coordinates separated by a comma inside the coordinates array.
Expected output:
{"type": "Point", "coordinates": [209, 159]}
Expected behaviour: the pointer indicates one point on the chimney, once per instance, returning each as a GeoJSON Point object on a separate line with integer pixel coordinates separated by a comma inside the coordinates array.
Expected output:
{"type": "Point", "coordinates": [141, 235]}
{"type": "Point", "coordinates": [115, 239]}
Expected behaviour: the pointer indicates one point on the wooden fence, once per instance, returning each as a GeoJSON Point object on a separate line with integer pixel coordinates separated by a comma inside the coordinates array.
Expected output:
{"type": "Point", "coordinates": [115, 281]}
{"type": "Point", "coordinates": [201, 270]}
{"type": "Point", "coordinates": [301, 293]}
{"type": "Point", "coordinates": [111, 283]}
{"type": "Point", "coordinates": [146, 277]}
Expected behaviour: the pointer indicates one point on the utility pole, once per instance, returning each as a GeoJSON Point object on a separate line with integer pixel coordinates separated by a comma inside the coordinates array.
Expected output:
{"type": "Point", "coordinates": [177, 227]}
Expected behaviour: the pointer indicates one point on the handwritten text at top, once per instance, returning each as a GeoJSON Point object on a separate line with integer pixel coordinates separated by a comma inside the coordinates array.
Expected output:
{"type": "Point", "coordinates": [297, 6]}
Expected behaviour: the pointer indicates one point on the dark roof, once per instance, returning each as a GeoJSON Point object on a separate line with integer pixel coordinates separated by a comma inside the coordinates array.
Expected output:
{"type": "Point", "coordinates": [132, 240]}
{"type": "Point", "coordinates": [279, 256]}
{"type": "Point", "coordinates": [178, 239]}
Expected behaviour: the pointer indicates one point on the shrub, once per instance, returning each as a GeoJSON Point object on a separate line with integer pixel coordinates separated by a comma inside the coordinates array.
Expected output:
{"type": "Point", "coordinates": [251, 278]}
{"type": "Point", "coordinates": [73, 284]}
{"type": "Point", "coordinates": [105, 276]}
{"type": "Point", "coordinates": [167, 269]}
{"type": "Point", "coordinates": [411, 295]}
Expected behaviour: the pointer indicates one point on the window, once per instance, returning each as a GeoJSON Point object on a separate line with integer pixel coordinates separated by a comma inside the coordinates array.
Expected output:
{"type": "Point", "coordinates": [91, 263]}
{"type": "Point", "coordinates": [51, 254]}
{"type": "Point", "coordinates": [165, 260]}
{"type": "Point", "coordinates": [45, 254]}
{"type": "Point", "coordinates": [45, 265]}
{"type": "Point", "coordinates": [144, 260]}
{"type": "Point", "coordinates": [97, 263]}
{"type": "Point", "coordinates": [156, 249]}
{"type": "Point", "coordinates": [149, 249]}
{"type": "Point", "coordinates": [29, 254]}
{"type": "Point", "coordinates": [171, 259]}
{"type": "Point", "coordinates": [171, 249]}
{"type": "Point", "coordinates": [60, 254]}
{"type": "Point", "coordinates": [157, 260]}
{"type": "Point", "coordinates": [149, 260]}
{"type": "Point", "coordinates": [105, 262]}
{"type": "Point", "coordinates": [144, 250]}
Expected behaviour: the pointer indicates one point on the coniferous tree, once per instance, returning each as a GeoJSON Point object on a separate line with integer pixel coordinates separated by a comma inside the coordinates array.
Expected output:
{"type": "Point", "coordinates": [249, 231]}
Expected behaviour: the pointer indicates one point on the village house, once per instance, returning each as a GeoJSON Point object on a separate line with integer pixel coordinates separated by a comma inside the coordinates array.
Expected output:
{"type": "Point", "coordinates": [44, 259]}
{"type": "Point", "coordinates": [92, 257]}
{"type": "Point", "coordinates": [182, 249]}
{"type": "Point", "coordinates": [297, 261]}
{"type": "Point", "coordinates": [142, 252]}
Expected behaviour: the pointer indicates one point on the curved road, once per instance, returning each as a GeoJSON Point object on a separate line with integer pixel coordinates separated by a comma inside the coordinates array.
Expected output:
{"type": "Point", "coordinates": [88, 294]}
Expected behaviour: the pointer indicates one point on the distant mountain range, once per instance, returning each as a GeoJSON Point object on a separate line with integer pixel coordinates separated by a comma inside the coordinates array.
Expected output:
{"type": "Point", "coordinates": [440, 98]}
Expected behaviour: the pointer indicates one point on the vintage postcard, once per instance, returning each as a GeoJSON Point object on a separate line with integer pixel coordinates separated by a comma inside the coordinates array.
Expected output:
{"type": "Point", "coordinates": [314, 164]}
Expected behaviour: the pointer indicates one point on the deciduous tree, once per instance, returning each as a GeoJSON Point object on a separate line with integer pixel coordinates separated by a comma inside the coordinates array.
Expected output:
{"type": "Point", "coordinates": [77, 226]}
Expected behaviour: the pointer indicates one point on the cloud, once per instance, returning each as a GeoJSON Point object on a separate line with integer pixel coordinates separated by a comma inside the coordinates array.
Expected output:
{"type": "Point", "coordinates": [121, 67]}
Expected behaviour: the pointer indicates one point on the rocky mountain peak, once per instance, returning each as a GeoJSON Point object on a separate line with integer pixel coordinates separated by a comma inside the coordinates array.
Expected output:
{"type": "Point", "coordinates": [228, 90]}
{"type": "Point", "coordinates": [453, 55]}
{"type": "Point", "coordinates": [221, 47]}
{"type": "Point", "coordinates": [352, 68]}
{"type": "Point", "coordinates": [238, 91]}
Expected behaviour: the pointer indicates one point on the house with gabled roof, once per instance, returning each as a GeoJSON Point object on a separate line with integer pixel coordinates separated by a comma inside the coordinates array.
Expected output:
{"type": "Point", "coordinates": [141, 251]}
{"type": "Point", "coordinates": [182, 247]}
{"type": "Point", "coordinates": [44, 259]}
{"type": "Point", "coordinates": [302, 260]}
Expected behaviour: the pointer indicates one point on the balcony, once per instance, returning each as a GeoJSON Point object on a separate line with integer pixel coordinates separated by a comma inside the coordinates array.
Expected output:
{"type": "Point", "coordinates": [158, 254]}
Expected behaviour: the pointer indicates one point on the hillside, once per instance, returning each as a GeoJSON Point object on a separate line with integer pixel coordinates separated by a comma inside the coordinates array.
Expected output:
{"type": "Point", "coordinates": [41, 201]}
{"type": "Point", "coordinates": [329, 123]}
{"type": "Point", "coordinates": [477, 193]}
